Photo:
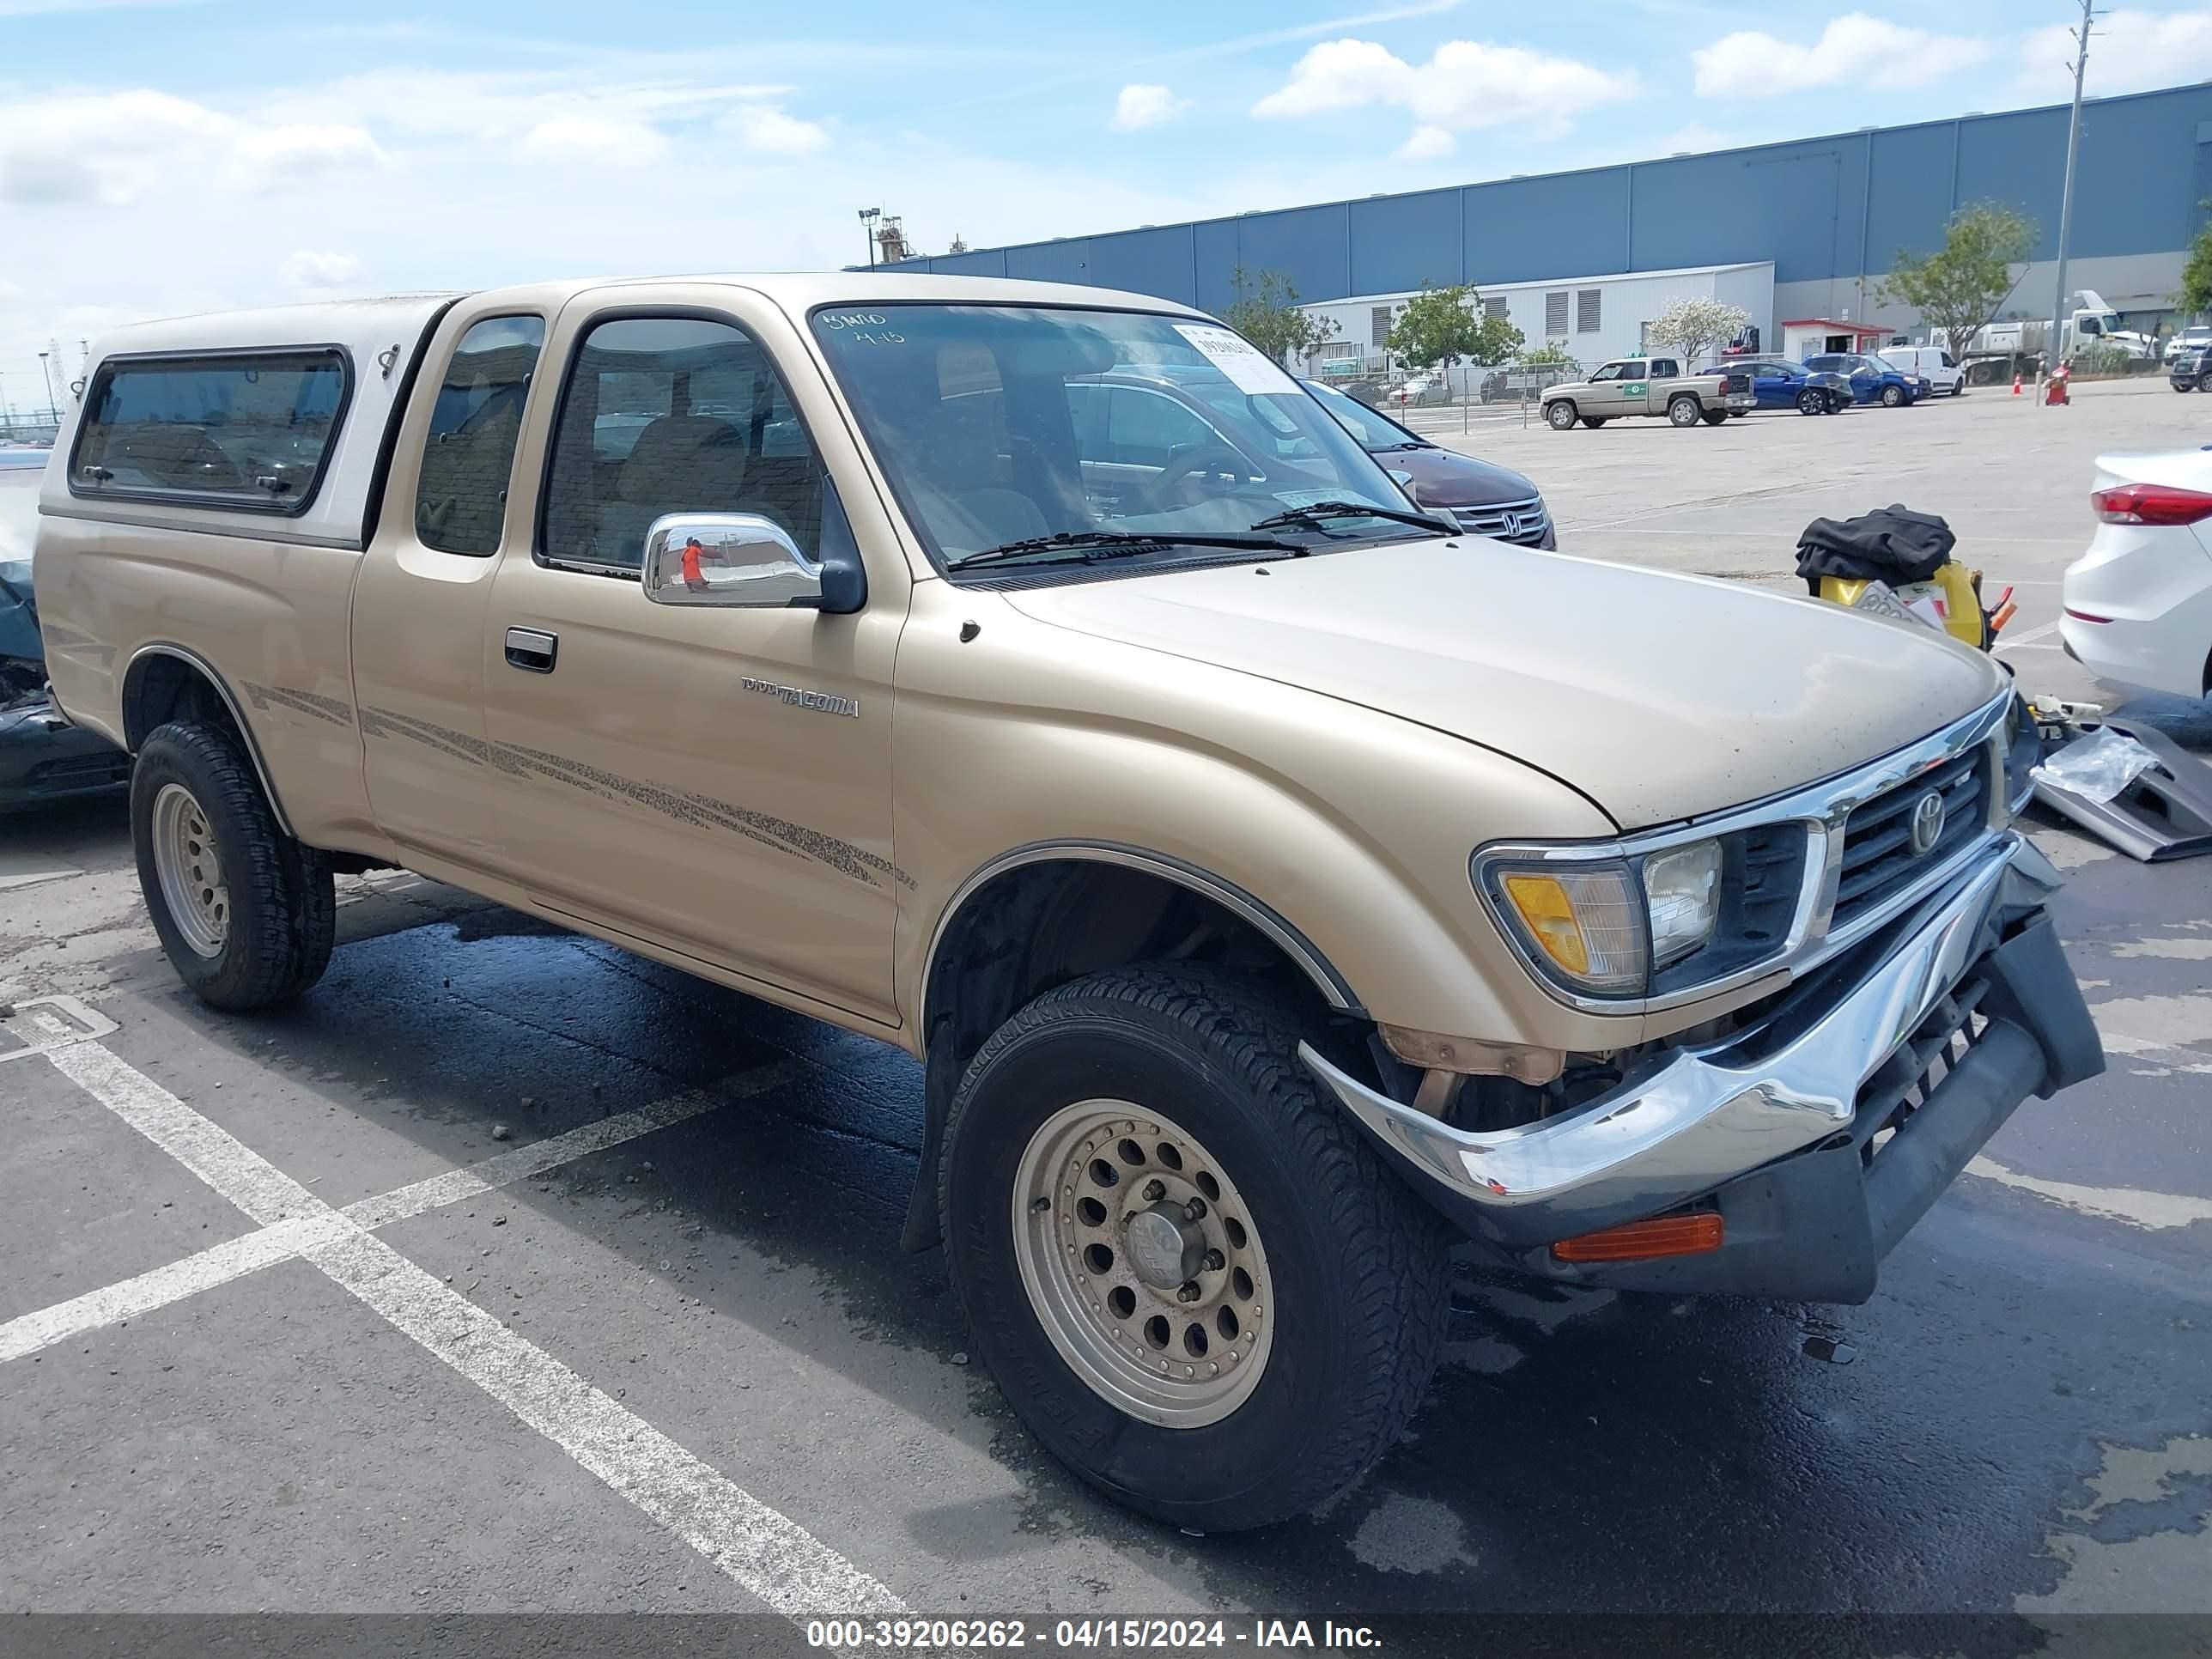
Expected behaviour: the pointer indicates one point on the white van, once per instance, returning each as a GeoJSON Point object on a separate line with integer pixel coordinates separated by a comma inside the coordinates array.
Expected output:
{"type": "Point", "coordinates": [1932, 362]}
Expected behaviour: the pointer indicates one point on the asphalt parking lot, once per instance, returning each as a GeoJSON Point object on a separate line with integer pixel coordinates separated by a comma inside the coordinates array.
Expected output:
{"type": "Point", "coordinates": [508, 1271]}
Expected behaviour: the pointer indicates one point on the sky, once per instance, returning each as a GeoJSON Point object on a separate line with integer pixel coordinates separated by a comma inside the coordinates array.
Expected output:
{"type": "Point", "coordinates": [160, 157]}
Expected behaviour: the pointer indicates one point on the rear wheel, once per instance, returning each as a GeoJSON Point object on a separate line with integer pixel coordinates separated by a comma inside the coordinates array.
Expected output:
{"type": "Point", "coordinates": [1685, 410]}
{"type": "Point", "coordinates": [1190, 1276]}
{"type": "Point", "coordinates": [245, 912]}
{"type": "Point", "coordinates": [1560, 414]}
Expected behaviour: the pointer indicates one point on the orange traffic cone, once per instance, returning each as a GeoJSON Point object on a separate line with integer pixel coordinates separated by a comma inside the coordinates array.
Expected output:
{"type": "Point", "coordinates": [2016, 383]}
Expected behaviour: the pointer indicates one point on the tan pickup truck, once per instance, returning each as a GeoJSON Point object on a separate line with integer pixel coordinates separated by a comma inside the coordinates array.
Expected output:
{"type": "Point", "coordinates": [1276, 883]}
{"type": "Point", "coordinates": [1648, 386]}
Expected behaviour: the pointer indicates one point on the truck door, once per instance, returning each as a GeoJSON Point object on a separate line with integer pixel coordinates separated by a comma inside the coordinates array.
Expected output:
{"type": "Point", "coordinates": [419, 601]}
{"type": "Point", "coordinates": [1603, 397]}
{"type": "Point", "coordinates": [714, 780]}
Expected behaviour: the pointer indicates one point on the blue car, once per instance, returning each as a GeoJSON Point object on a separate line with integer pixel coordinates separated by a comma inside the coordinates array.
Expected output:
{"type": "Point", "coordinates": [1776, 383]}
{"type": "Point", "coordinates": [1872, 380]}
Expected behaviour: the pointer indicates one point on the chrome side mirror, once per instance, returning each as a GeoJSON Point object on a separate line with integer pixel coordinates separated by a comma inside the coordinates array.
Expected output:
{"type": "Point", "coordinates": [729, 559]}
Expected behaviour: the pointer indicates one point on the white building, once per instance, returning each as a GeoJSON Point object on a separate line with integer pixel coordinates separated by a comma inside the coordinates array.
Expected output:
{"type": "Point", "coordinates": [1593, 318]}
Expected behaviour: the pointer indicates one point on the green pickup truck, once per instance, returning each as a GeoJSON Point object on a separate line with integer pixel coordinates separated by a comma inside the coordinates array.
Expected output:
{"type": "Point", "coordinates": [1648, 386]}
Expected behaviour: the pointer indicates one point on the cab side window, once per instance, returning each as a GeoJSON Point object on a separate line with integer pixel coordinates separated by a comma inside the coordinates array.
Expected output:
{"type": "Point", "coordinates": [665, 415]}
{"type": "Point", "coordinates": [1610, 372]}
{"type": "Point", "coordinates": [1664, 369]}
{"type": "Point", "coordinates": [460, 498]}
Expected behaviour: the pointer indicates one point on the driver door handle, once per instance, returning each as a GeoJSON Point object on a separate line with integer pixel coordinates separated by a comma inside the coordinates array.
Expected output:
{"type": "Point", "coordinates": [532, 649]}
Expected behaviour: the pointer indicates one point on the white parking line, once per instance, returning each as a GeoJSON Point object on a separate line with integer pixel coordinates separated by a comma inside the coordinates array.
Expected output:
{"type": "Point", "coordinates": [763, 1551]}
{"type": "Point", "coordinates": [233, 1259]}
{"type": "Point", "coordinates": [770, 1555]}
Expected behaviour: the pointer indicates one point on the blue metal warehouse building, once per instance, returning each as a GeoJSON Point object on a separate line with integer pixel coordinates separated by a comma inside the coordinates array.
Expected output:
{"type": "Point", "coordinates": [1829, 213]}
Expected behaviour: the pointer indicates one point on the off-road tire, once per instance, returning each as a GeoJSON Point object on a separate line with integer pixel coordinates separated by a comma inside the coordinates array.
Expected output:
{"type": "Point", "coordinates": [1685, 410]}
{"type": "Point", "coordinates": [1560, 414]}
{"type": "Point", "coordinates": [1594, 422]}
{"type": "Point", "coordinates": [283, 904]}
{"type": "Point", "coordinates": [1357, 1263]}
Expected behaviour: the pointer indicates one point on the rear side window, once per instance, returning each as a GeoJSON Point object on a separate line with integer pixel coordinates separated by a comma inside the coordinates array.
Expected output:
{"type": "Point", "coordinates": [460, 501]}
{"type": "Point", "coordinates": [673, 415]}
{"type": "Point", "coordinates": [246, 430]}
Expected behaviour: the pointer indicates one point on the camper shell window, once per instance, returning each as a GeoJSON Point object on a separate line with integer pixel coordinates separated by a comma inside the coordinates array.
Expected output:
{"type": "Point", "coordinates": [247, 431]}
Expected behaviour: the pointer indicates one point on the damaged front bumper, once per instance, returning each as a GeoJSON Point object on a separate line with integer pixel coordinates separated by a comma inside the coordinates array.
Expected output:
{"type": "Point", "coordinates": [1820, 1134]}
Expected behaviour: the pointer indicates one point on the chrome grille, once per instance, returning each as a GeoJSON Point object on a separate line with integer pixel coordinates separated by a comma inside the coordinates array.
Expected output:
{"type": "Point", "coordinates": [1879, 860]}
{"type": "Point", "coordinates": [1523, 522]}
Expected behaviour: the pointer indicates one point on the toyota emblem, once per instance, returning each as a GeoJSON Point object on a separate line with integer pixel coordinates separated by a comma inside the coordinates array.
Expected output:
{"type": "Point", "coordinates": [1927, 823]}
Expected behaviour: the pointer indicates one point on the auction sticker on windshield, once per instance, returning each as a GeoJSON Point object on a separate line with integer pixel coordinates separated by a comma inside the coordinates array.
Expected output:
{"type": "Point", "coordinates": [1237, 358]}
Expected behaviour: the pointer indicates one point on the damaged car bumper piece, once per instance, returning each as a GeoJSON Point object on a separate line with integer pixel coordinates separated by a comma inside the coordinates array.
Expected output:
{"type": "Point", "coordinates": [1819, 1134]}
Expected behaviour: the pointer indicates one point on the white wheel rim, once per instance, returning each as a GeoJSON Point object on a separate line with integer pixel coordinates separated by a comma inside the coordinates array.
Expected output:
{"type": "Point", "coordinates": [192, 885]}
{"type": "Point", "coordinates": [1104, 1263]}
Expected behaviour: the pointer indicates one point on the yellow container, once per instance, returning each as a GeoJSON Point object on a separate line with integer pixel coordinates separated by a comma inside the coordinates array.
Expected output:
{"type": "Point", "coordinates": [1952, 594]}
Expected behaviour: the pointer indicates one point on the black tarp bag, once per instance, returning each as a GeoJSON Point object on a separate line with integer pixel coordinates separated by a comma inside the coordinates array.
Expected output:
{"type": "Point", "coordinates": [1892, 544]}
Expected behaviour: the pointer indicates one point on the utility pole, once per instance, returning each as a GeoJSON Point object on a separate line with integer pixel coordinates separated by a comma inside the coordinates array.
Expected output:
{"type": "Point", "coordinates": [46, 373]}
{"type": "Point", "coordinates": [2059, 310]}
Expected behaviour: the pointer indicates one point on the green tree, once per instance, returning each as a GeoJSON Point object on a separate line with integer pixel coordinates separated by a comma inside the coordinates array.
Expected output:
{"type": "Point", "coordinates": [1551, 355]}
{"type": "Point", "coordinates": [1441, 326]}
{"type": "Point", "coordinates": [1696, 326]}
{"type": "Point", "coordinates": [1959, 287]}
{"type": "Point", "coordinates": [2196, 296]}
{"type": "Point", "coordinates": [1266, 312]}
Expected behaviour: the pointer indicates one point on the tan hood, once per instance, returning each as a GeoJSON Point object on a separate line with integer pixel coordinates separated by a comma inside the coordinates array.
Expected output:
{"type": "Point", "coordinates": [1660, 696]}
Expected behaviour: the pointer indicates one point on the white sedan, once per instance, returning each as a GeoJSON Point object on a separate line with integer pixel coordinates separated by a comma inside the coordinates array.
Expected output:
{"type": "Point", "coordinates": [2138, 604]}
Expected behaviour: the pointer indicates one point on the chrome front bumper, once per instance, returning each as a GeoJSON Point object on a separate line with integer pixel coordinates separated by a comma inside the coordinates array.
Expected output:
{"type": "Point", "coordinates": [1703, 1116]}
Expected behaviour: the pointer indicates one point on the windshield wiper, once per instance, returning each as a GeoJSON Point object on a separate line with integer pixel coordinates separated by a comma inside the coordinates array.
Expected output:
{"type": "Point", "coordinates": [1316, 514]}
{"type": "Point", "coordinates": [1085, 546]}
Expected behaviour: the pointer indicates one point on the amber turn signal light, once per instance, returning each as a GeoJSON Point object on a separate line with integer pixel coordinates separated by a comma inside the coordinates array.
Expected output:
{"type": "Point", "coordinates": [1638, 1241]}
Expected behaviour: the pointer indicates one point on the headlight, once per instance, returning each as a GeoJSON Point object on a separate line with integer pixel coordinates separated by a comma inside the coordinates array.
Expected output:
{"type": "Point", "coordinates": [1608, 926]}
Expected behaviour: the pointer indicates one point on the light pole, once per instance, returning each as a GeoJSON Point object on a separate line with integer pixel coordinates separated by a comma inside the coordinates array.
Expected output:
{"type": "Point", "coordinates": [46, 373]}
{"type": "Point", "coordinates": [2066, 193]}
{"type": "Point", "coordinates": [868, 217]}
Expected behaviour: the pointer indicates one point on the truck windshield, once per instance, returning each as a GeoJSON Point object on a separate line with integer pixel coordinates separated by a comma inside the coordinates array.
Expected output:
{"type": "Point", "coordinates": [1005, 424]}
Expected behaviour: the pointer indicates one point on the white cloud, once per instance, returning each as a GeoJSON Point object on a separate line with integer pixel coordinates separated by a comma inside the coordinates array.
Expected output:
{"type": "Point", "coordinates": [1465, 85]}
{"type": "Point", "coordinates": [1146, 104]}
{"type": "Point", "coordinates": [1751, 64]}
{"type": "Point", "coordinates": [592, 141]}
{"type": "Point", "coordinates": [115, 148]}
{"type": "Point", "coordinates": [312, 272]}
{"type": "Point", "coordinates": [765, 128]}
{"type": "Point", "coordinates": [1427, 144]}
{"type": "Point", "coordinates": [266, 157]}
{"type": "Point", "coordinates": [2129, 51]}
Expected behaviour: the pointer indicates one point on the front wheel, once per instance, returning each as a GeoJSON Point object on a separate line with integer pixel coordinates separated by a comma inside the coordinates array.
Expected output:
{"type": "Point", "coordinates": [1561, 415]}
{"type": "Point", "coordinates": [1190, 1276]}
{"type": "Point", "coordinates": [1893, 397]}
{"type": "Point", "coordinates": [245, 912]}
{"type": "Point", "coordinates": [1684, 411]}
